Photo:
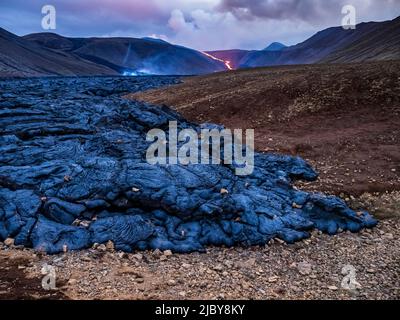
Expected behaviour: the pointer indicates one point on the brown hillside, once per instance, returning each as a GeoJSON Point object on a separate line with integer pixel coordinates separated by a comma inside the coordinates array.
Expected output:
{"type": "Point", "coordinates": [344, 118]}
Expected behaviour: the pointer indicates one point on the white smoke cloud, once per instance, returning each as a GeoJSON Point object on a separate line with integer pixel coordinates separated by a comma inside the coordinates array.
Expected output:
{"type": "Point", "coordinates": [178, 23]}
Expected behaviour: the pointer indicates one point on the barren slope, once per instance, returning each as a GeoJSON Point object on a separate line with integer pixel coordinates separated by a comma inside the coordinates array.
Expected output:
{"type": "Point", "coordinates": [145, 55]}
{"type": "Point", "coordinates": [372, 41]}
{"type": "Point", "coordinates": [19, 57]}
{"type": "Point", "coordinates": [344, 118]}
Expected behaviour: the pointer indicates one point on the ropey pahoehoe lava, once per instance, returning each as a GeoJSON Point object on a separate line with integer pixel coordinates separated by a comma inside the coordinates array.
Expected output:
{"type": "Point", "coordinates": [73, 173]}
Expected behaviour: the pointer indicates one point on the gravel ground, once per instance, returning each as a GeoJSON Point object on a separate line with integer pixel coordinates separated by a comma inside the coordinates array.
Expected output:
{"type": "Point", "coordinates": [355, 149]}
{"type": "Point", "coordinates": [311, 269]}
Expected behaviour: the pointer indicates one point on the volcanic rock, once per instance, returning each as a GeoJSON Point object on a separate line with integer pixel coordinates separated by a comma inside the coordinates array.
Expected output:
{"type": "Point", "coordinates": [83, 129]}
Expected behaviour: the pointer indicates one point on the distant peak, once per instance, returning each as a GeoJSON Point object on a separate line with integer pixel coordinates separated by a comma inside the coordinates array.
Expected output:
{"type": "Point", "coordinates": [275, 46]}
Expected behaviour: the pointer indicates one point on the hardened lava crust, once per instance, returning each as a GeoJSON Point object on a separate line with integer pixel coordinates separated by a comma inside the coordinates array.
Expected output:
{"type": "Point", "coordinates": [73, 173]}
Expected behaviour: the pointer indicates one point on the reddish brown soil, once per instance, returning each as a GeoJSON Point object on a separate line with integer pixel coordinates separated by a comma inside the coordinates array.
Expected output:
{"type": "Point", "coordinates": [15, 284]}
{"type": "Point", "coordinates": [345, 119]}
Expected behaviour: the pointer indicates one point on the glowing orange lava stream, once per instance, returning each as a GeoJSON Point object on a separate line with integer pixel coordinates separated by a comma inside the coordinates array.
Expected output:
{"type": "Point", "coordinates": [226, 62]}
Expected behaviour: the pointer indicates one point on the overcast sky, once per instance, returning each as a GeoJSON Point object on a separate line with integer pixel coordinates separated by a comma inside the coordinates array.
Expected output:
{"type": "Point", "coordinates": [200, 24]}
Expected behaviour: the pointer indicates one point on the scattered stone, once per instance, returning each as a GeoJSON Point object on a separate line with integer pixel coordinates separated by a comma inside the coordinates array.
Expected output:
{"type": "Point", "coordinates": [129, 270]}
{"type": "Point", "coordinates": [182, 293]}
{"type": "Point", "coordinates": [85, 224]}
{"type": "Point", "coordinates": [9, 242]}
{"type": "Point", "coordinates": [388, 236]}
{"type": "Point", "coordinates": [171, 282]}
{"type": "Point", "coordinates": [110, 246]}
{"type": "Point", "coordinates": [304, 268]}
{"type": "Point", "coordinates": [137, 256]}
{"type": "Point", "coordinates": [122, 255]}
{"type": "Point", "coordinates": [101, 247]}
{"type": "Point", "coordinates": [297, 206]}
{"type": "Point", "coordinates": [229, 263]}
{"type": "Point", "coordinates": [271, 273]}
{"type": "Point", "coordinates": [167, 253]}
{"type": "Point", "coordinates": [251, 262]}
{"type": "Point", "coordinates": [218, 267]}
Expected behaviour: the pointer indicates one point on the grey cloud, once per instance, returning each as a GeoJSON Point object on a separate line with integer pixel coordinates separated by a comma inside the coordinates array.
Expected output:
{"type": "Point", "coordinates": [304, 10]}
{"type": "Point", "coordinates": [279, 9]}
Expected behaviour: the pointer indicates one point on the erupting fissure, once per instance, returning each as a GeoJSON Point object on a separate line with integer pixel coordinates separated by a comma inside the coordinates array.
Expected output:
{"type": "Point", "coordinates": [226, 62]}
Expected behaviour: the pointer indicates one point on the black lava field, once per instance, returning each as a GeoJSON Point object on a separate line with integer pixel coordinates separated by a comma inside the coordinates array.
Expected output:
{"type": "Point", "coordinates": [73, 173]}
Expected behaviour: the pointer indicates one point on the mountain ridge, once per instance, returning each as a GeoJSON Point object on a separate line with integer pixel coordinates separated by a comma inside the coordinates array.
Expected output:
{"type": "Point", "coordinates": [50, 54]}
{"type": "Point", "coordinates": [43, 54]}
{"type": "Point", "coordinates": [336, 45]}
{"type": "Point", "coordinates": [19, 57]}
{"type": "Point", "coordinates": [143, 55]}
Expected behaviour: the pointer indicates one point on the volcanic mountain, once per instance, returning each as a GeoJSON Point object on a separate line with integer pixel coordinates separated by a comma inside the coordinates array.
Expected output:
{"type": "Point", "coordinates": [20, 57]}
{"type": "Point", "coordinates": [275, 46]}
{"type": "Point", "coordinates": [372, 41]}
{"type": "Point", "coordinates": [146, 55]}
{"type": "Point", "coordinates": [51, 54]}
{"type": "Point", "coordinates": [45, 54]}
